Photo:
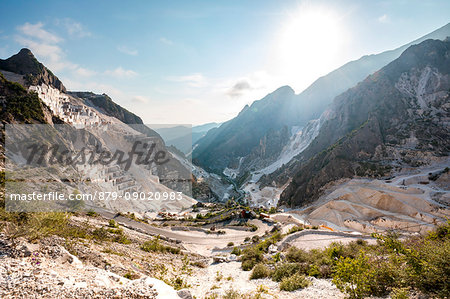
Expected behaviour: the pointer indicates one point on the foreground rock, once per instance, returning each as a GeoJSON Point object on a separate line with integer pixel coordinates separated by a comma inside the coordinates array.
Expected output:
{"type": "Point", "coordinates": [52, 272]}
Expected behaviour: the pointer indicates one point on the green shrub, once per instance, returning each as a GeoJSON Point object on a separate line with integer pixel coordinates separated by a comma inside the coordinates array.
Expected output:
{"type": "Point", "coordinates": [250, 257]}
{"type": "Point", "coordinates": [247, 265]}
{"type": "Point", "coordinates": [295, 229]}
{"type": "Point", "coordinates": [230, 244]}
{"type": "Point", "coordinates": [179, 283]}
{"type": "Point", "coordinates": [434, 276]}
{"type": "Point", "coordinates": [353, 276]}
{"type": "Point", "coordinates": [294, 282]}
{"type": "Point", "coordinates": [285, 270]}
{"type": "Point", "coordinates": [91, 213]}
{"type": "Point", "coordinates": [131, 276]}
{"type": "Point", "coordinates": [112, 223]}
{"type": "Point", "coordinates": [155, 246]}
{"type": "Point", "coordinates": [400, 293]}
{"type": "Point", "coordinates": [296, 255]}
{"type": "Point", "coordinates": [236, 251]}
{"type": "Point", "coordinates": [260, 271]}
{"type": "Point", "coordinates": [232, 294]}
{"type": "Point", "coordinates": [264, 245]}
{"type": "Point", "coordinates": [314, 271]}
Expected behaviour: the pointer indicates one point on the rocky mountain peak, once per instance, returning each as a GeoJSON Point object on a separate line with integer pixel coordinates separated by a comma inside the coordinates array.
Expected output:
{"type": "Point", "coordinates": [35, 73]}
{"type": "Point", "coordinates": [25, 52]}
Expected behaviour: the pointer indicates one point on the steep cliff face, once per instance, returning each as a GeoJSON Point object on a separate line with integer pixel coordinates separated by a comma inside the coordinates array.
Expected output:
{"type": "Point", "coordinates": [397, 117]}
{"type": "Point", "coordinates": [35, 73]}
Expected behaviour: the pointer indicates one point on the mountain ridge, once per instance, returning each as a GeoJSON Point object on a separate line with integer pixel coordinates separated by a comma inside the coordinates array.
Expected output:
{"type": "Point", "coordinates": [371, 120]}
{"type": "Point", "coordinates": [244, 135]}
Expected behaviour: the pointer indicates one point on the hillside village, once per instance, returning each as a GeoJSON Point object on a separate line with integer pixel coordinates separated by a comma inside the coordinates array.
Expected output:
{"type": "Point", "coordinates": [59, 103]}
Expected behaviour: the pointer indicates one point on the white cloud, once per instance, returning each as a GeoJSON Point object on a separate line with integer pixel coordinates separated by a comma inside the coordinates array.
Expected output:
{"type": "Point", "coordinates": [383, 19]}
{"type": "Point", "coordinates": [83, 72]}
{"type": "Point", "coordinates": [127, 50]}
{"type": "Point", "coordinates": [120, 73]}
{"type": "Point", "coordinates": [239, 88]}
{"type": "Point", "coordinates": [193, 80]}
{"type": "Point", "coordinates": [166, 41]}
{"type": "Point", "coordinates": [52, 54]}
{"type": "Point", "coordinates": [140, 99]}
{"type": "Point", "coordinates": [46, 46]}
{"type": "Point", "coordinates": [73, 28]}
{"type": "Point", "coordinates": [36, 31]}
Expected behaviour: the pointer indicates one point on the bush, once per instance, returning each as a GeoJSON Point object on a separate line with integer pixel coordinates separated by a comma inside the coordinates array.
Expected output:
{"type": "Point", "coordinates": [353, 276]}
{"type": "Point", "coordinates": [179, 283]}
{"type": "Point", "coordinates": [400, 293]}
{"type": "Point", "coordinates": [247, 265]}
{"type": "Point", "coordinates": [230, 244]}
{"type": "Point", "coordinates": [232, 294]}
{"type": "Point", "coordinates": [250, 257]}
{"type": "Point", "coordinates": [294, 282]}
{"type": "Point", "coordinates": [155, 246]}
{"type": "Point", "coordinates": [264, 245]}
{"type": "Point", "coordinates": [112, 223]}
{"type": "Point", "coordinates": [296, 255]}
{"type": "Point", "coordinates": [295, 229]}
{"type": "Point", "coordinates": [285, 270]}
{"type": "Point", "coordinates": [314, 271]}
{"type": "Point", "coordinates": [260, 271]}
{"type": "Point", "coordinates": [91, 213]}
{"type": "Point", "coordinates": [131, 276]}
{"type": "Point", "coordinates": [236, 251]}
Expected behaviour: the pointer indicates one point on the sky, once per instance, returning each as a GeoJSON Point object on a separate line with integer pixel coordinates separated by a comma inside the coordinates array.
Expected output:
{"type": "Point", "coordinates": [194, 62]}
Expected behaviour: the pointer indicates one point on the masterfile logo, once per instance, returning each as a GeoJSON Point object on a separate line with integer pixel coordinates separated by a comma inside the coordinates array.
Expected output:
{"type": "Point", "coordinates": [113, 166]}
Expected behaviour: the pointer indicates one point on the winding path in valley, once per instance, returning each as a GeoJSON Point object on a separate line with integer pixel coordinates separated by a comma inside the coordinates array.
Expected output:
{"type": "Point", "coordinates": [189, 237]}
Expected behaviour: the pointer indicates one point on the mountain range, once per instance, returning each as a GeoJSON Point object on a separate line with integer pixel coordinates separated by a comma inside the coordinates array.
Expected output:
{"type": "Point", "coordinates": [256, 136]}
{"type": "Point", "coordinates": [378, 125]}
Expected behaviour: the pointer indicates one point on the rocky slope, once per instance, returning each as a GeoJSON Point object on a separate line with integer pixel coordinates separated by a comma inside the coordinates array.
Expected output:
{"type": "Point", "coordinates": [397, 117]}
{"type": "Point", "coordinates": [45, 104]}
{"type": "Point", "coordinates": [248, 133]}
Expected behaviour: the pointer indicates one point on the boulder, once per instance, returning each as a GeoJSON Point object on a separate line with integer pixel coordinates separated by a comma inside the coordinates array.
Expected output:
{"type": "Point", "coordinates": [184, 294]}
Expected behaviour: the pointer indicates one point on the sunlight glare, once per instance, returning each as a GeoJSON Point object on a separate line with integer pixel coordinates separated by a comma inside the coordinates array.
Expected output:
{"type": "Point", "coordinates": [309, 45]}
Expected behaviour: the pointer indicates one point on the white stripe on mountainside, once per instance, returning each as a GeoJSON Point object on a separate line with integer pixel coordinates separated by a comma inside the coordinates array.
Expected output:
{"type": "Point", "coordinates": [300, 140]}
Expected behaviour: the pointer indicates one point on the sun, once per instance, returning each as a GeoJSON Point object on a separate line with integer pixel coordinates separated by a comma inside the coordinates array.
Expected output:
{"type": "Point", "coordinates": [309, 44]}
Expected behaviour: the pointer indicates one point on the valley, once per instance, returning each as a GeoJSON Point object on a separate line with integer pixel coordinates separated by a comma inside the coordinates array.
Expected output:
{"type": "Point", "coordinates": [340, 190]}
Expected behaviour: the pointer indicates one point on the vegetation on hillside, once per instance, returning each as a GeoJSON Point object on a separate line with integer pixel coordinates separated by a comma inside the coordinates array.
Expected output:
{"type": "Point", "coordinates": [393, 266]}
{"type": "Point", "coordinates": [21, 105]}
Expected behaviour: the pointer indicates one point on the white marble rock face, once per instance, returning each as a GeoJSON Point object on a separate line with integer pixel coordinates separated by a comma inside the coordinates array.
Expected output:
{"type": "Point", "coordinates": [59, 104]}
